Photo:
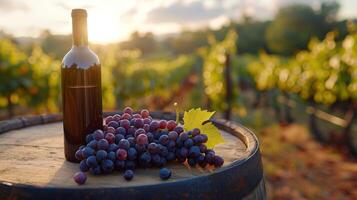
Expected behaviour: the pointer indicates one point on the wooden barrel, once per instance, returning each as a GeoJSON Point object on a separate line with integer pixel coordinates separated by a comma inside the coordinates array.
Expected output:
{"type": "Point", "coordinates": [32, 166]}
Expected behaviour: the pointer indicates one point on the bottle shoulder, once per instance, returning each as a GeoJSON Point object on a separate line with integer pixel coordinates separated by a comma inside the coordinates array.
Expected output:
{"type": "Point", "coordinates": [81, 56]}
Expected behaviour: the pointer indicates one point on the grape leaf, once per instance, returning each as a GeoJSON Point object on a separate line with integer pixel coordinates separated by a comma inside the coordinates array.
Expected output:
{"type": "Point", "coordinates": [194, 119]}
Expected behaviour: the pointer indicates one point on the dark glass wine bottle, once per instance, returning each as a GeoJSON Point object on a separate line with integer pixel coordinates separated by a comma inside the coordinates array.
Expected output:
{"type": "Point", "coordinates": [81, 88]}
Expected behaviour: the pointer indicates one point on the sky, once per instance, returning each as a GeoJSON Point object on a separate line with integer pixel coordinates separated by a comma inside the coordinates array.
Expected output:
{"type": "Point", "coordinates": [114, 20]}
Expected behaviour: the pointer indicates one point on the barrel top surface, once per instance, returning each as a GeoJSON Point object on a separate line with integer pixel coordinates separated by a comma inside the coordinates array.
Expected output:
{"type": "Point", "coordinates": [35, 156]}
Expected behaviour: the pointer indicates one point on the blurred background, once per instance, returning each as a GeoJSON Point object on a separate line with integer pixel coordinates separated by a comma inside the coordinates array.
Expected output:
{"type": "Point", "coordinates": [286, 69]}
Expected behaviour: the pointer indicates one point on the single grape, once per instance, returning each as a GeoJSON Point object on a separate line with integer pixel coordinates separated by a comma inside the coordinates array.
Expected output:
{"type": "Point", "coordinates": [91, 161]}
{"type": "Point", "coordinates": [150, 137]}
{"type": "Point", "coordinates": [209, 158]}
{"type": "Point", "coordinates": [89, 138]}
{"type": "Point", "coordinates": [128, 174]}
{"type": "Point", "coordinates": [98, 134]}
{"type": "Point", "coordinates": [119, 164]}
{"type": "Point", "coordinates": [78, 154]}
{"type": "Point", "coordinates": [204, 138]}
{"type": "Point", "coordinates": [194, 151]}
{"type": "Point", "coordinates": [131, 130]}
{"type": "Point", "coordinates": [171, 124]}
{"type": "Point", "coordinates": [195, 132]}
{"type": "Point", "coordinates": [162, 124]}
{"type": "Point", "coordinates": [120, 130]}
{"type": "Point", "coordinates": [163, 151]}
{"type": "Point", "coordinates": [188, 143]}
{"type": "Point", "coordinates": [153, 148]}
{"type": "Point", "coordinates": [154, 125]}
{"type": "Point", "coordinates": [87, 151]}
{"type": "Point", "coordinates": [183, 152]}
{"type": "Point", "coordinates": [124, 144]}
{"type": "Point", "coordinates": [218, 161]}
{"type": "Point", "coordinates": [108, 119]}
{"type": "Point", "coordinates": [197, 139]}
{"type": "Point", "coordinates": [125, 124]}
{"type": "Point", "coordinates": [101, 155]}
{"type": "Point", "coordinates": [142, 139]}
{"type": "Point", "coordinates": [128, 110]}
{"type": "Point", "coordinates": [147, 121]}
{"type": "Point", "coordinates": [145, 113]}
{"type": "Point", "coordinates": [201, 161]}
{"type": "Point", "coordinates": [145, 159]}
{"type": "Point", "coordinates": [140, 148]}
{"type": "Point", "coordinates": [132, 121]}
{"type": "Point", "coordinates": [171, 146]}
{"type": "Point", "coordinates": [139, 131]}
{"type": "Point", "coordinates": [121, 154]}
{"type": "Point", "coordinates": [96, 170]}
{"type": "Point", "coordinates": [110, 130]}
{"type": "Point", "coordinates": [164, 139]}
{"type": "Point", "coordinates": [189, 133]}
{"type": "Point", "coordinates": [107, 166]}
{"type": "Point", "coordinates": [92, 144]}
{"type": "Point", "coordinates": [110, 138]}
{"type": "Point", "coordinates": [179, 142]}
{"type": "Point", "coordinates": [183, 136]}
{"type": "Point", "coordinates": [131, 140]}
{"type": "Point", "coordinates": [118, 137]}
{"type": "Point", "coordinates": [191, 162]}
{"type": "Point", "coordinates": [173, 135]}
{"type": "Point", "coordinates": [146, 127]}
{"type": "Point", "coordinates": [126, 116]}
{"type": "Point", "coordinates": [83, 166]}
{"type": "Point", "coordinates": [137, 116]}
{"type": "Point", "coordinates": [117, 117]}
{"type": "Point", "coordinates": [138, 123]}
{"type": "Point", "coordinates": [178, 129]}
{"type": "Point", "coordinates": [165, 173]}
{"type": "Point", "coordinates": [80, 178]}
{"type": "Point", "coordinates": [132, 153]}
{"type": "Point", "coordinates": [112, 156]}
{"type": "Point", "coordinates": [103, 144]}
{"type": "Point", "coordinates": [203, 148]}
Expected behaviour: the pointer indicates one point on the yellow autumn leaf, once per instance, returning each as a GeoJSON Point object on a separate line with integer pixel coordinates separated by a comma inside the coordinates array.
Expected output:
{"type": "Point", "coordinates": [194, 118]}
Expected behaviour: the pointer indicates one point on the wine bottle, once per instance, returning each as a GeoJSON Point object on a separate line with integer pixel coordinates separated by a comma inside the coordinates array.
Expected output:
{"type": "Point", "coordinates": [81, 88]}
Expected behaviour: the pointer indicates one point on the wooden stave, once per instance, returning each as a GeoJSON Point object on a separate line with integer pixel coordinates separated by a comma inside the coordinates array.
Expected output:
{"type": "Point", "coordinates": [247, 186]}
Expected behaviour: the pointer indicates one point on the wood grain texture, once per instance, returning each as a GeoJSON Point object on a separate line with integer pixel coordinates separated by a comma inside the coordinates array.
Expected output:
{"type": "Point", "coordinates": [35, 156]}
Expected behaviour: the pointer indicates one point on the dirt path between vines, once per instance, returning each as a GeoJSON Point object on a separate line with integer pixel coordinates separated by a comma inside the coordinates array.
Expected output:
{"type": "Point", "coordinates": [298, 167]}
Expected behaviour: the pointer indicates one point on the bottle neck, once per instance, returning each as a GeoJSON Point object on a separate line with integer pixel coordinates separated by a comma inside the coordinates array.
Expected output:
{"type": "Point", "coordinates": [79, 31]}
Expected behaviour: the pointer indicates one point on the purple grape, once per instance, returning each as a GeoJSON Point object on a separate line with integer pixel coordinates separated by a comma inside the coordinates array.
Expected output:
{"type": "Point", "coordinates": [112, 156]}
{"type": "Point", "coordinates": [179, 142]}
{"type": "Point", "coordinates": [131, 141]}
{"type": "Point", "coordinates": [142, 139]}
{"type": "Point", "coordinates": [173, 135]}
{"type": "Point", "coordinates": [91, 161]}
{"type": "Point", "coordinates": [107, 166]}
{"type": "Point", "coordinates": [194, 151]}
{"type": "Point", "coordinates": [147, 121]}
{"type": "Point", "coordinates": [145, 113]}
{"type": "Point", "coordinates": [183, 136]}
{"type": "Point", "coordinates": [137, 116]}
{"type": "Point", "coordinates": [164, 139]}
{"type": "Point", "coordinates": [128, 174]}
{"type": "Point", "coordinates": [171, 156]}
{"type": "Point", "coordinates": [178, 129]}
{"type": "Point", "coordinates": [131, 130]}
{"type": "Point", "coordinates": [191, 162]}
{"type": "Point", "coordinates": [80, 178]}
{"type": "Point", "coordinates": [140, 148]}
{"type": "Point", "coordinates": [154, 125]}
{"type": "Point", "coordinates": [145, 159]}
{"type": "Point", "coordinates": [153, 148]}
{"type": "Point", "coordinates": [125, 124]}
{"type": "Point", "coordinates": [108, 119]}
{"type": "Point", "coordinates": [138, 123]}
{"type": "Point", "coordinates": [89, 138]}
{"type": "Point", "coordinates": [146, 127]}
{"type": "Point", "coordinates": [156, 159]}
{"type": "Point", "coordinates": [117, 117]}
{"type": "Point", "coordinates": [204, 138]}
{"type": "Point", "coordinates": [188, 143]}
{"type": "Point", "coordinates": [203, 148]}
{"type": "Point", "coordinates": [98, 134]}
{"type": "Point", "coordinates": [132, 153]}
{"type": "Point", "coordinates": [101, 155]}
{"type": "Point", "coordinates": [96, 170]}
{"type": "Point", "coordinates": [121, 154]}
{"type": "Point", "coordinates": [197, 139]}
{"type": "Point", "coordinates": [78, 154]}
{"type": "Point", "coordinates": [209, 158]}
{"type": "Point", "coordinates": [139, 131]}
{"type": "Point", "coordinates": [110, 138]}
{"type": "Point", "coordinates": [218, 161]}
{"type": "Point", "coordinates": [87, 151]}
{"type": "Point", "coordinates": [183, 152]}
{"type": "Point", "coordinates": [150, 136]}
{"type": "Point", "coordinates": [120, 130]}
{"type": "Point", "coordinates": [102, 144]}
{"type": "Point", "coordinates": [128, 110]}
{"type": "Point", "coordinates": [165, 173]}
{"type": "Point", "coordinates": [118, 137]}
{"type": "Point", "coordinates": [119, 164]}
{"type": "Point", "coordinates": [195, 132]}
{"type": "Point", "coordinates": [83, 166]}
{"type": "Point", "coordinates": [201, 161]}
{"type": "Point", "coordinates": [92, 144]}
{"type": "Point", "coordinates": [124, 144]}
{"type": "Point", "coordinates": [110, 130]}
{"type": "Point", "coordinates": [163, 150]}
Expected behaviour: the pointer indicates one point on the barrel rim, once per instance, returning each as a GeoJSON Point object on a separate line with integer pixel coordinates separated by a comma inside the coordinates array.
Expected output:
{"type": "Point", "coordinates": [234, 128]}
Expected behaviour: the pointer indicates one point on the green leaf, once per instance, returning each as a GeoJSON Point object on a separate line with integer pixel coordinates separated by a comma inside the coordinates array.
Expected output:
{"type": "Point", "coordinates": [195, 118]}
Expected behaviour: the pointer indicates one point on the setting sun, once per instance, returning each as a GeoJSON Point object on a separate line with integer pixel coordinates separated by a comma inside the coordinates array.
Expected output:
{"type": "Point", "coordinates": [103, 29]}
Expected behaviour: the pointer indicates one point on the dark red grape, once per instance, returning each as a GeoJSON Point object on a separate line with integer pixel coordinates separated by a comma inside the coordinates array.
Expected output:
{"type": "Point", "coordinates": [138, 123]}
{"type": "Point", "coordinates": [108, 119]}
{"type": "Point", "coordinates": [125, 124]}
{"type": "Point", "coordinates": [110, 138]}
{"type": "Point", "coordinates": [128, 110]}
{"type": "Point", "coordinates": [145, 113]}
{"type": "Point", "coordinates": [162, 124]}
{"type": "Point", "coordinates": [171, 124]}
{"type": "Point", "coordinates": [173, 135]}
{"type": "Point", "coordinates": [121, 154]}
{"type": "Point", "coordinates": [80, 178]}
{"type": "Point", "coordinates": [126, 116]}
{"type": "Point", "coordinates": [110, 130]}
{"type": "Point", "coordinates": [137, 116]}
{"type": "Point", "coordinates": [131, 130]}
{"type": "Point", "coordinates": [203, 148]}
{"type": "Point", "coordinates": [117, 117]}
{"type": "Point", "coordinates": [142, 139]}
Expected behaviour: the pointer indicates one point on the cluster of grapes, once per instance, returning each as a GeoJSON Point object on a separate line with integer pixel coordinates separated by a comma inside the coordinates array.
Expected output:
{"type": "Point", "coordinates": [136, 140]}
